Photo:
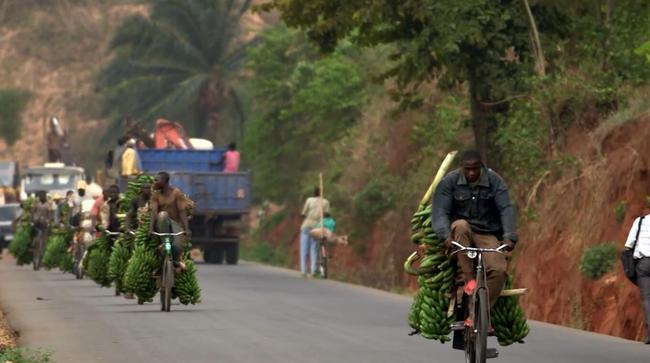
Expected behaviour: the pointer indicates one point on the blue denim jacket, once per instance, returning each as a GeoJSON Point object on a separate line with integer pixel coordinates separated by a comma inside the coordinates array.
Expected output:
{"type": "Point", "coordinates": [486, 207]}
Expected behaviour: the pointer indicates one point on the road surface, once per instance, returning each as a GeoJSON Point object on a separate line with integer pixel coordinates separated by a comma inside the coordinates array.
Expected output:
{"type": "Point", "coordinates": [255, 313]}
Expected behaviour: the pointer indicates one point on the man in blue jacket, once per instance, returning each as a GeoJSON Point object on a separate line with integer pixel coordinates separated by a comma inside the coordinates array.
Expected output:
{"type": "Point", "coordinates": [471, 206]}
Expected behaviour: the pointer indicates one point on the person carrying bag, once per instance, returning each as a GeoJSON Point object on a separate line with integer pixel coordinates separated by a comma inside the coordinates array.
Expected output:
{"type": "Point", "coordinates": [636, 262]}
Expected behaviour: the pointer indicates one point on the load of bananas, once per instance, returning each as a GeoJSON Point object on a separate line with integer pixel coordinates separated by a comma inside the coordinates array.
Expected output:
{"type": "Point", "coordinates": [21, 246]}
{"type": "Point", "coordinates": [123, 247]}
{"type": "Point", "coordinates": [144, 263]}
{"type": "Point", "coordinates": [97, 261]}
{"type": "Point", "coordinates": [56, 250]}
{"type": "Point", "coordinates": [436, 274]}
{"type": "Point", "coordinates": [508, 319]}
{"type": "Point", "coordinates": [186, 286]}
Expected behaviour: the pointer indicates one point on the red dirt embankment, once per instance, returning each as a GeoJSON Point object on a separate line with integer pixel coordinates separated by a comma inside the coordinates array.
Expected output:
{"type": "Point", "coordinates": [576, 210]}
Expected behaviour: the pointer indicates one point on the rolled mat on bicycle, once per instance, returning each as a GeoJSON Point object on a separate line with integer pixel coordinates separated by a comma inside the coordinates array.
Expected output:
{"type": "Point", "coordinates": [432, 311]}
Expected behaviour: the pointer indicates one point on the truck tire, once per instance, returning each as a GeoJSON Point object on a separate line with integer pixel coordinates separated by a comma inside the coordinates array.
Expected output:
{"type": "Point", "coordinates": [232, 253]}
{"type": "Point", "coordinates": [213, 255]}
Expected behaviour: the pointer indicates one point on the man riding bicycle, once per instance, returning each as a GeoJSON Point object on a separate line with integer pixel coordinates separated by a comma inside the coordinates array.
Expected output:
{"type": "Point", "coordinates": [169, 215]}
{"type": "Point", "coordinates": [471, 206]}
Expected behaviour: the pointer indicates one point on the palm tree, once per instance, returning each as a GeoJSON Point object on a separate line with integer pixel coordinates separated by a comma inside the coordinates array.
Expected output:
{"type": "Point", "coordinates": [179, 63]}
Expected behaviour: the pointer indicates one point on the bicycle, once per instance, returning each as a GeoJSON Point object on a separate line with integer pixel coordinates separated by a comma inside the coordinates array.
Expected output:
{"type": "Point", "coordinates": [475, 337]}
{"type": "Point", "coordinates": [78, 254]}
{"type": "Point", "coordinates": [167, 270]}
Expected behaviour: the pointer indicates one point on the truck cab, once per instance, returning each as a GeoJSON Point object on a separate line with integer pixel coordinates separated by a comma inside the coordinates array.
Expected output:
{"type": "Point", "coordinates": [51, 178]}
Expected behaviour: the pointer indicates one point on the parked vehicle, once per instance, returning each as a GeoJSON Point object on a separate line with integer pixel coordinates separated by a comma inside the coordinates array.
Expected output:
{"type": "Point", "coordinates": [8, 214]}
{"type": "Point", "coordinates": [51, 178]}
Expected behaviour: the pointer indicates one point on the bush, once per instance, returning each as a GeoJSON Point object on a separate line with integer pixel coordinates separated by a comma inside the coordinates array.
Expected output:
{"type": "Point", "coordinates": [372, 201]}
{"type": "Point", "coordinates": [21, 355]}
{"type": "Point", "coordinates": [12, 103]}
{"type": "Point", "coordinates": [598, 260]}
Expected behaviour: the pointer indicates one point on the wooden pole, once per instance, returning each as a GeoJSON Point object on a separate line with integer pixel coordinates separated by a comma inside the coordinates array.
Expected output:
{"type": "Point", "coordinates": [321, 193]}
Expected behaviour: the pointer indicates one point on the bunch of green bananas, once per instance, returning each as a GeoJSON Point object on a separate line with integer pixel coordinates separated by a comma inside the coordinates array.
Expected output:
{"type": "Point", "coordinates": [143, 264]}
{"type": "Point", "coordinates": [66, 262]}
{"type": "Point", "coordinates": [98, 256]}
{"type": "Point", "coordinates": [21, 246]}
{"type": "Point", "coordinates": [139, 274]}
{"type": "Point", "coordinates": [55, 249]}
{"type": "Point", "coordinates": [133, 191]}
{"type": "Point", "coordinates": [436, 274]}
{"type": "Point", "coordinates": [508, 319]}
{"type": "Point", "coordinates": [186, 285]}
{"type": "Point", "coordinates": [118, 262]}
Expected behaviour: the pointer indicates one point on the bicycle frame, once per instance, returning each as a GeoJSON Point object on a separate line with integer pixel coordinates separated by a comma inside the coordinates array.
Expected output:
{"type": "Point", "coordinates": [476, 336]}
{"type": "Point", "coordinates": [166, 270]}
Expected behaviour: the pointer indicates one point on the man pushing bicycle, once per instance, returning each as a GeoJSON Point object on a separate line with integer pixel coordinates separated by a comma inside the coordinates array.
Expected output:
{"type": "Point", "coordinates": [471, 206]}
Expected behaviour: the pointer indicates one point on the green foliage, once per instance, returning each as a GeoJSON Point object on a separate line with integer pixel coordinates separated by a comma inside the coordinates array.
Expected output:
{"type": "Point", "coordinates": [264, 252]}
{"type": "Point", "coordinates": [301, 106]}
{"type": "Point", "coordinates": [373, 200]}
{"type": "Point", "coordinates": [179, 62]}
{"type": "Point", "coordinates": [598, 260]}
{"type": "Point", "coordinates": [22, 355]}
{"type": "Point", "coordinates": [522, 136]}
{"type": "Point", "coordinates": [12, 103]}
{"type": "Point", "coordinates": [619, 211]}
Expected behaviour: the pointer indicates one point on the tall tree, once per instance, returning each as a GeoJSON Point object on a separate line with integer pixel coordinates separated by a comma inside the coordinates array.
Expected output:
{"type": "Point", "coordinates": [178, 63]}
{"type": "Point", "coordinates": [483, 43]}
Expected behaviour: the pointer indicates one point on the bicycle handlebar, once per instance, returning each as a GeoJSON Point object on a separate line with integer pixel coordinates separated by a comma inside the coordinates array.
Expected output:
{"type": "Point", "coordinates": [168, 234]}
{"type": "Point", "coordinates": [462, 248]}
{"type": "Point", "coordinates": [112, 233]}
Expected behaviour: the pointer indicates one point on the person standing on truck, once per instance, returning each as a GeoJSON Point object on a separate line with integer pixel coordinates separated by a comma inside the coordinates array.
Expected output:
{"type": "Point", "coordinates": [169, 215]}
{"type": "Point", "coordinates": [231, 158]}
{"type": "Point", "coordinates": [311, 212]}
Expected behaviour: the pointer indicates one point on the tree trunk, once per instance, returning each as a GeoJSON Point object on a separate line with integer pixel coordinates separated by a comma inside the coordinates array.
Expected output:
{"type": "Point", "coordinates": [540, 62]}
{"type": "Point", "coordinates": [479, 122]}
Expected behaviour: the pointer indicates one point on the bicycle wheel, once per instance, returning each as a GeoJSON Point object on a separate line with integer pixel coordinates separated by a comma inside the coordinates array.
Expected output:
{"type": "Point", "coordinates": [481, 324]}
{"type": "Point", "coordinates": [169, 283]}
{"type": "Point", "coordinates": [323, 261]}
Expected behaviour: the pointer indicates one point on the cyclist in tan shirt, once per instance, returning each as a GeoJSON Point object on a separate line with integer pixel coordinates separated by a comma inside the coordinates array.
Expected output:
{"type": "Point", "coordinates": [169, 214]}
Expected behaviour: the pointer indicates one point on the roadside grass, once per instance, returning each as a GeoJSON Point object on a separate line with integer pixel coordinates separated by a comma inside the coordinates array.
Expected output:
{"type": "Point", "coordinates": [23, 355]}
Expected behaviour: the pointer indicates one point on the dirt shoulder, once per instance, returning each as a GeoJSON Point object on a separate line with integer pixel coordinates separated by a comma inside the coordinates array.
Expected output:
{"type": "Point", "coordinates": [7, 335]}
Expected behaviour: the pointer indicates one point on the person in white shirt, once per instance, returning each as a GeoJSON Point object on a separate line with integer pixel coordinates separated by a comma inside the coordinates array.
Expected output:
{"type": "Point", "coordinates": [641, 245]}
{"type": "Point", "coordinates": [314, 207]}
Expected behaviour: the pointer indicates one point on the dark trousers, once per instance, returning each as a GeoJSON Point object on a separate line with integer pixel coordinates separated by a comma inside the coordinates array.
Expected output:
{"type": "Point", "coordinates": [164, 224]}
{"type": "Point", "coordinates": [643, 280]}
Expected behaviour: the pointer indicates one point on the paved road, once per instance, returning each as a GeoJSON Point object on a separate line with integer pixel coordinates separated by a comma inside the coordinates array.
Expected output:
{"type": "Point", "coordinates": [253, 313]}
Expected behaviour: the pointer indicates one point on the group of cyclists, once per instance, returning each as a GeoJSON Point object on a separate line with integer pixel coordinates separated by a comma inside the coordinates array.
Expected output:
{"type": "Point", "coordinates": [88, 215]}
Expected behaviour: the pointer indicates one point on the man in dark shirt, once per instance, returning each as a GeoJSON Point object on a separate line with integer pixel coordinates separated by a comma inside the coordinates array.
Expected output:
{"type": "Point", "coordinates": [471, 206]}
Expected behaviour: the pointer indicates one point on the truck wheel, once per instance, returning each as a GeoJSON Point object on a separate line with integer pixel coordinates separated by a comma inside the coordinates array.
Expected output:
{"type": "Point", "coordinates": [232, 253]}
{"type": "Point", "coordinates": [213, 255]}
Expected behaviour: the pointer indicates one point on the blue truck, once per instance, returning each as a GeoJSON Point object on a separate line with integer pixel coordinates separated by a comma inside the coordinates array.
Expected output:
{"type": "Point", "coordinates": [222, 199]}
